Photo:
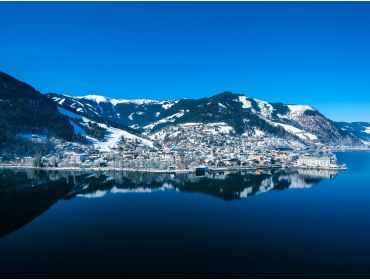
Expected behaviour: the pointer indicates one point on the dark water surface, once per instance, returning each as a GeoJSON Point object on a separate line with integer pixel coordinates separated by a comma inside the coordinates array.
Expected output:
{"type": "Point", "coordinates": [281, 223]}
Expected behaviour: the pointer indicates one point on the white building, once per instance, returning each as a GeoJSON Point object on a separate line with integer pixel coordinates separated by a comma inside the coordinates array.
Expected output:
{"type": "Point", "coordinates": [312, 161]}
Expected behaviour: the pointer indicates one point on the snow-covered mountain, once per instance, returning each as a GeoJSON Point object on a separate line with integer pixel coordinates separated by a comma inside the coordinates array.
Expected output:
{"type": "Point", "coordinates": [360, 129]}
{"type": "Point", "coordinates": [102, 136]}
{"type": "Point", "coordinates": [135, 113]}
{"type": "Point", "coordinates": [247, 116]}
{"type": "Point", "coordinates": [30, 122]}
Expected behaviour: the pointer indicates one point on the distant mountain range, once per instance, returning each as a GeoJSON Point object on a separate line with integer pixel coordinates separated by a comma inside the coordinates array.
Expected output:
{"type": "Point", "coordinates": [359, 129]}
{"type": "Point", "coordinates": [103, 120]}
{"type": "Point", "coordinates": [246, 115]}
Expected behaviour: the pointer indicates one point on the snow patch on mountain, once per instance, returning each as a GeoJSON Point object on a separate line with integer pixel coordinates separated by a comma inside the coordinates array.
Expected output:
{"type": "Point", "coordinates": [221, 105]}
{"type": "Point", "coordinates": [133, 101]}
{"type": "Point", "coordinates": [266, 108]}
{"type": "Point", "coordinates": [367, 130]}
{"type": "Point", "coordinates": [298, 110]}
{"type": "Point", "coordinates": [168, 104]}
{"type": "Point", "coordinates": [169, 119]}
{"type": "Point", "coordinates": [113, 137]}
{"type": "Point", "coordinates": [92, 97]}
{"type": "Point", "coordinates": [135, 126]}
{"type": "Point", "coordinates": [296, 131]}
{"type": "Point", "coordinates": [102, 99]}
{"type": "Point", "coordinates": [246, 103]}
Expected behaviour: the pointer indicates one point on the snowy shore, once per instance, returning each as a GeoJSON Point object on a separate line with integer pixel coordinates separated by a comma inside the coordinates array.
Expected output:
{"type": "Point", "coordinates": [102, 169]}
{"type": "Point", "coordinates": [143, 170]}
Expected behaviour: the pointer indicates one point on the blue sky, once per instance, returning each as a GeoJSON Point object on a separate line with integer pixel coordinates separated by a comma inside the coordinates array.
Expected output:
{"type": "Point", "coordinates": [315, 53]}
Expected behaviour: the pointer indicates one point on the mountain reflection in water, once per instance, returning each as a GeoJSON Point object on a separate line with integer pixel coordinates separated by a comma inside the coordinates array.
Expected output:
{"type": "Point", "coordinates": [25, 194]}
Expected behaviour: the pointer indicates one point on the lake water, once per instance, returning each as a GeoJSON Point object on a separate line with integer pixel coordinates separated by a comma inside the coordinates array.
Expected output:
{"type": "Point", "coordinates": [254, 224]}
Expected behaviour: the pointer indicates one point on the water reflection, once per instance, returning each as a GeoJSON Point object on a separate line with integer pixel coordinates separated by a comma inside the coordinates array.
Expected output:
{"type": "Point", "coordinates": [25, 194]}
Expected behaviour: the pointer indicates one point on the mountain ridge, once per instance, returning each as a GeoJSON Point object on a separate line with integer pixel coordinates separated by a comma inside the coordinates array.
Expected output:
{"type": "Point", "coordinates": [99, 120]}
{"type": "Point", "coordinates": [30, 122]}
{"type": "Point", "coordinates": [360, 129]}
{"type": "Point", "coordinates": [244, 114]}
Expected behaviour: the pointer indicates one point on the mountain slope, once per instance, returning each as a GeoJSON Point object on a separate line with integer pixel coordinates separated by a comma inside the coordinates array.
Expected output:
{"type": "Point", "coordinates": [102, 136]}
{"type": "Point", "coordinates": [24, 111]}
{"type": "Point", "coordinates": [246, 115]}
{"type": "Point", "coordinates": [29, 119]}
{"type": "Point", "coordinates": [360, 129]}
{"type": "Point", "coordinates": [134, 113]}
{"type": "Point", "coordinates": [97, 108]}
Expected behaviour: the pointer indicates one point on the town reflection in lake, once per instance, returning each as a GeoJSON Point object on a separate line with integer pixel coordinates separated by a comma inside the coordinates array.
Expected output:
{"type": "Point", "coordinates": [25, 194]}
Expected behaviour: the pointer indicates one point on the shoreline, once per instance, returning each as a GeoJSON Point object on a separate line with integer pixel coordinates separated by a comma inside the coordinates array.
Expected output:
{"type": "Point", "coordinates": [161, 171]}
{"type": "Point", "coordinates": [129, 169]}
{"type": "Point", "coordinates": [348, 150]}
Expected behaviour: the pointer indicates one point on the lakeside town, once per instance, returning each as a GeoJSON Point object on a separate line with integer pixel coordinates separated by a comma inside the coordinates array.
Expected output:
{"type": "Point", "coordinates": [201, 152]}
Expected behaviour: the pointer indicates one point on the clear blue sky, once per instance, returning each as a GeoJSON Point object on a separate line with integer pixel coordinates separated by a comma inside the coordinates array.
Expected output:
{"type": "Point", "coordinates": [315, 53]}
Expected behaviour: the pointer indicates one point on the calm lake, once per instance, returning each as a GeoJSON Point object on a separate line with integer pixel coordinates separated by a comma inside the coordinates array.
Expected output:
{"type": "Point", "coordinates": [268, 223]}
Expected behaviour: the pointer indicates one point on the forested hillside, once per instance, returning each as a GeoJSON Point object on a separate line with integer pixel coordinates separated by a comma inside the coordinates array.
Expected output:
{"type": "Point", "coordinates": [25, 111]}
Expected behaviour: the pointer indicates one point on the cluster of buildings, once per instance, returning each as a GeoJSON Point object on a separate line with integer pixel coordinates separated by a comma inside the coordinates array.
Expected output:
{"type": "Point", "coordinates": [184, 148]}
